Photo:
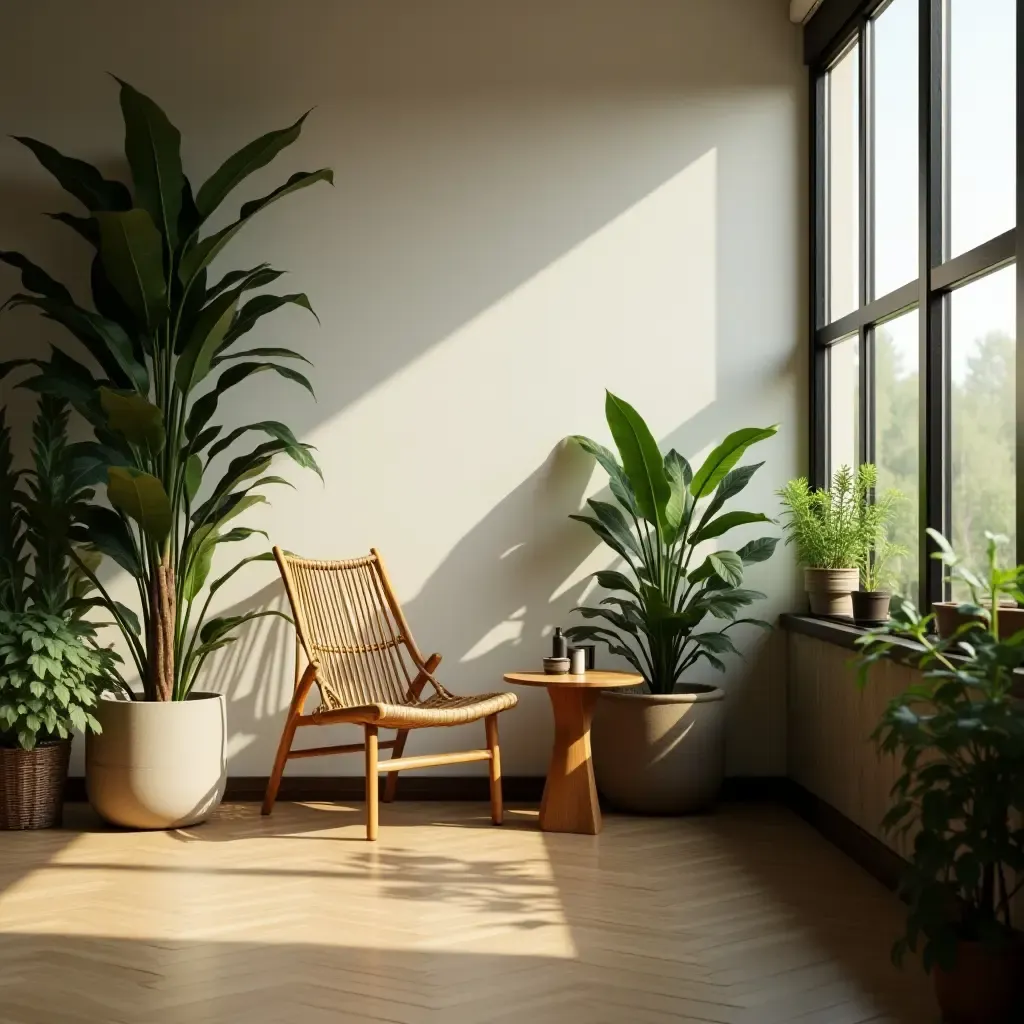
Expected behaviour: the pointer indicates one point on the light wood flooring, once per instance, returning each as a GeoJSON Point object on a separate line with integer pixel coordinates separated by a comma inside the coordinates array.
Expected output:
{"type": "Point", "coordinates": [745, 916]}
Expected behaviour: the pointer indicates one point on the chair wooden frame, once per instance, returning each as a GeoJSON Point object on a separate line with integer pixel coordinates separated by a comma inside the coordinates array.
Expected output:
{"type": "Point", "coordinates": [351, 628]}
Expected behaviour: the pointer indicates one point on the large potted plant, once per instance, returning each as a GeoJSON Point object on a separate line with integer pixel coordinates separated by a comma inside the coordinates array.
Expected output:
{"type": "Point", "coordinates": [51, 667]}
{"type": "Point", "coordinates": [662, 751]}
{"type": "Point", "coordinates": [959, 736]}
{"type": "Point", "coordinates": [824, 527]}
{"type": "Point", "coordinates": [161, 349]}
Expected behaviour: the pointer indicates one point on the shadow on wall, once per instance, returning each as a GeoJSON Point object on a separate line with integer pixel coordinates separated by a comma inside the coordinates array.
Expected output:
{"type": "Point", "coordinates": [531, 205]}
{"type": "Point", "coordinates": [493, 598]}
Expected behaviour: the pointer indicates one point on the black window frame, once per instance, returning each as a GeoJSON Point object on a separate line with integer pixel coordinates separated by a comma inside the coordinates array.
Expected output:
{"type": "Point", "coordinates": [829, 35]}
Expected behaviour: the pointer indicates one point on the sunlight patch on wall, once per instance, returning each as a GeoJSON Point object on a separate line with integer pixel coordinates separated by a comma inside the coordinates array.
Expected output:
{"type": "Point", "coordinates": [441, 445]}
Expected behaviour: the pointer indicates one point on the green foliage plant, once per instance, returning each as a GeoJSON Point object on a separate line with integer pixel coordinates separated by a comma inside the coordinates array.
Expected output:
{"type": "Point", "coordinates": [51, 667]}
{"type": "Point", "coordinates": [876, 554]}
{"type": "Point", "coordinates": [958, 736]}
{"type": "Point", "coordinates": [830, 526]}
{"type": "Point", "coordinates": [162, 345]}
{"type": "Point", "coordinates": [663, 515]}
{"type": "Point", "coordinates": [51, 675]}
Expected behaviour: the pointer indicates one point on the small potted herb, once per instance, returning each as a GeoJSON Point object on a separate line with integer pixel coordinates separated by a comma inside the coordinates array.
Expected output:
{"type": "Point", "coordinates": [823, 526]}
{"type": "Point", "coordinates": [876, 553]}
{"type": "Point", "coordinates": [958, 734]}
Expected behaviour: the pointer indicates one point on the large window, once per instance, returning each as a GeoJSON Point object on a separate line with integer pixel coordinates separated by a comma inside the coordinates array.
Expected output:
{"type": "Point", "coordinates": [915, 268]}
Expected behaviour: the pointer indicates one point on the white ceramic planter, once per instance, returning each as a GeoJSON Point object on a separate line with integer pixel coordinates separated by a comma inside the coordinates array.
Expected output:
{"type": "Point", "coordinates": [660, 754]}
{"type": "Point", "coordinates": [158, 764]}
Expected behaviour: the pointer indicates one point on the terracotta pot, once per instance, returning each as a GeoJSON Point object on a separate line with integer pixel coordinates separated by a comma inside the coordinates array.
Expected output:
{"type": "Point", "coordinates": [870, 607]}
{"type": "Point", "coordinates": [829, 591]}
{"type": "Point", "coordinates": [948, 619]}
{"type": "Point", "coordinates": [985, 985]}
{"type": "Point", "coordinates": [158, 764]}
{"type": "Point", "coordinates": [660, 754]}
{"type": "Point", "coordinates": [32, 785]}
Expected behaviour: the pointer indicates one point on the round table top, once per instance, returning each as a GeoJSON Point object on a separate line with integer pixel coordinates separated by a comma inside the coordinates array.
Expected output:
{"type": "Point", "coordinates": [594, 679]}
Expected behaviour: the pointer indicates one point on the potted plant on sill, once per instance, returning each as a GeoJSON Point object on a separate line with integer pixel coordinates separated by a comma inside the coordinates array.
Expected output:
{"type": "Point", "coordinates": [662, 751]}
{"type": "Point", "coordinates": [51, 668]}
{"type": "Point", "coordinates": [162, 349]}
{"type": "Point", "coordinates": [959, 736]}
{"type": "Point", "coordinates": [823, 524]}
{"type": "Point", "coordinates": [876, 552]}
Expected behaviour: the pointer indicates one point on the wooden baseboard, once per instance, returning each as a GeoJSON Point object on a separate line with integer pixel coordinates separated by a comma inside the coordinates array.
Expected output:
{"type": "Point", "coordinates": [877, 859]}
{"type": "Point", "coordinates": [517, 788]}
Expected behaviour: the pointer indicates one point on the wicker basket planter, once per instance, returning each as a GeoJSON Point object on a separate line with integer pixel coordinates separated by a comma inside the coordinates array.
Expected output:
{"type": "Point", "coordinates": [32, 785]}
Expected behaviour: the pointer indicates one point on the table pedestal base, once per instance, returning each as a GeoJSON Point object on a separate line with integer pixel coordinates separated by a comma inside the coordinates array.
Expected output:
{"type": "Point", "coordinates": [570, 794]}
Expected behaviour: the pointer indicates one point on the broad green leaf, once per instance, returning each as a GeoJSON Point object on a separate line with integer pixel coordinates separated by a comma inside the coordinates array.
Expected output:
{"type": "Point", "coordinates": [607, 537]}
{"type": "Point", "coordinates": [84, 227]}
{"type": "Point", "coordinates": [260, 306]}
{"type": "Point", "coordinates": [273, 428]}
{"type": "Point", "coordinates": [725, 522]}
{"type": "Point", "coordinates": [237, 373]}
{"type": "Point", "coordinates": [196, 360]}
{"type": "Point", "coordinates": [615, 522]}
{"type": "Point", "coordinates": [193, 476]}
{"type": "Point", "coordinates": [132, 253]}
{"type": "Point", "coordinates": [142, 497]}
{"type": "Point", "coordinates": [240, 165]}
{"type": "Point", "coordinates": [204, 252]}
{"type": "Point", "coordinates": [244, 280]}
{"type": "Point", "coordinates": [262, 353]}
{"type": "Point", "coordinates": [725, 456]}
{"type": "Point", "coordinates": [216, 628]}
{"type": "Point", "coordinates": [263, 556]}
{"type": "Point", "coordinates": [105, 340]}
{"type": "Point", "coordinates": [153, 148]}
{"type": "Point", "coordinates": [617, 482]}
{"type": "Point", "coordinates": [79, 178]}
{"type": "Point", "coordinates": [34, 278]}
{"type": "Point", "coordinates": [108, 532]}
{"type": "Point", "coordinates": [641, 460]}
{"type": "Point", "coordinates": [728, 566]}
{"type": "Point", "coordinates": [610, 579]}
{"type": "Point", "coordinates": [135, 418]}
{"type": "Point", "coordinates": [759, 550]}
{"type": "Point", "coordinates": [680, 501]}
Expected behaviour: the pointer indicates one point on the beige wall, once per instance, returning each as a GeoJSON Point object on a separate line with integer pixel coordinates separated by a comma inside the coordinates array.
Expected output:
{"type": "Point", "coordinates": [535, 200]}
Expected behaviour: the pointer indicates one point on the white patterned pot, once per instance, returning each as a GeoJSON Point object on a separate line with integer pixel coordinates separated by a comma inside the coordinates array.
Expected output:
{"type": "Point", "coordinates": [158, 764]}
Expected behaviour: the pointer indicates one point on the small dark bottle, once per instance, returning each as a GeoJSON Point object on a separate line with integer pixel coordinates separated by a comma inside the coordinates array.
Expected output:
{"type": "Point", "coordinates": [559, 645]}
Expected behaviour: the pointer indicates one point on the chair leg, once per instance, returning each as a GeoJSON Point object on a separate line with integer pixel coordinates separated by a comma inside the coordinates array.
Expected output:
{"type": "Point", "coordinates": [274, 783]}
{"type": "Point", "coordinates": [491, 725]}
{"type": "Point", "coordinates": [371, 782]}
{"type": "Point", "coordinates": [392, 780]}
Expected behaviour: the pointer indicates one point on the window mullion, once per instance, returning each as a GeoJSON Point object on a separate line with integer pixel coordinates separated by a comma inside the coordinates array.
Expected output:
{"type": "Point", "coordinates": [934, 404]}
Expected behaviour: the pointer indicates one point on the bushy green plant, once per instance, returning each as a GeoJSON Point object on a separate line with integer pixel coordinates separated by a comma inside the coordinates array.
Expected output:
{"type": "Point", "coordinates": [50, 678]}
{"type": "Point", "coordinates": [959, 739]}
{"type": "Point", "coordinates": [837, 527]}
{"type": "Point", "coordinates": [162, 347]}
{"type": "Point", "coordinates": [875, 512]}
{"type": "Point", "coordinates": [663, 513]}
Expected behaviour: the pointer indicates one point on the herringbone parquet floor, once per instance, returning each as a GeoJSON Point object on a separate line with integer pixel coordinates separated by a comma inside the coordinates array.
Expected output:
{"type": "Point", "coordinates": [746, 916]}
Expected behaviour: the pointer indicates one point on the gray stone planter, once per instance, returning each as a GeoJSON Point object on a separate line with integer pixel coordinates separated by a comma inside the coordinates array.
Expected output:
{"type": "Point", "coordinates": [660, 754]}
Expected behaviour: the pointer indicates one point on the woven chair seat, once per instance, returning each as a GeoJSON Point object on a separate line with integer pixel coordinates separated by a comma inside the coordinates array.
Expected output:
{"type": "Point", "coordinates": [433, 711]}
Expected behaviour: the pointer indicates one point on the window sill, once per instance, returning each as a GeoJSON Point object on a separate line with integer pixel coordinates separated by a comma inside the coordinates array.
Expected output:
{"type": "Point", "coordinates": [845, 634]}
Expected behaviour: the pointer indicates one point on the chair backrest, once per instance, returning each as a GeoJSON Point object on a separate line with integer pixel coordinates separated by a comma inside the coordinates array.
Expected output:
{"type": "Point", "coordinates": [349, 622]}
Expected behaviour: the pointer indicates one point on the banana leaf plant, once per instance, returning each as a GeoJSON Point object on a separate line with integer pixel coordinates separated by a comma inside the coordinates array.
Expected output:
{"type": "Point", "coordinates": [664, 514]}
{"type": "Point", "coordinates": [158, 349]}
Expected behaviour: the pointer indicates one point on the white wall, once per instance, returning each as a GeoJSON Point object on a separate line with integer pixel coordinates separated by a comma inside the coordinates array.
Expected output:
{"type": "Point", "coordinates": [535, 200]}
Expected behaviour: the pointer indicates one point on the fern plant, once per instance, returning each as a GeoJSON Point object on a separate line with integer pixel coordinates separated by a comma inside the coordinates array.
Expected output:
{"type": "Point", "coordinates": [161, 346]}
{"type": "Point", "coordinates": [52, 668]}
{"type": "Point", "coordinates": [826, 525]}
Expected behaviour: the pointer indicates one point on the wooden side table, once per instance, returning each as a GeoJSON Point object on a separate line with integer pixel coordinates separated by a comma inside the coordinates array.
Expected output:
{"type": "Point", "coordinates": [570, 794]}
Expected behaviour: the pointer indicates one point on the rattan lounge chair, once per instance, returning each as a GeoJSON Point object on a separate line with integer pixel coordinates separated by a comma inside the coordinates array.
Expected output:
{"type": "Point", "coordinates": [369, 671]}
